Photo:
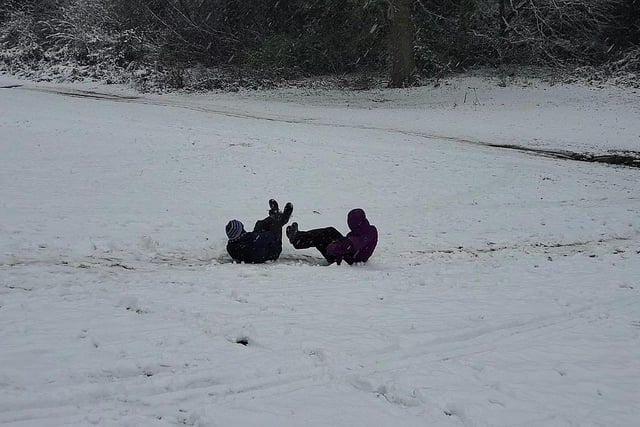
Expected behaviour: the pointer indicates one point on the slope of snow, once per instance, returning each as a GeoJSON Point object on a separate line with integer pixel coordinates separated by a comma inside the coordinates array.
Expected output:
{"type": "Point", "coordinates": [504, 290]}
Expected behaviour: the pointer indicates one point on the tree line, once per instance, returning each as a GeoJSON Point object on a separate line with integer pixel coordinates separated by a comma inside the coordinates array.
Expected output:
{"type": "Point", "coordinates": [404, 39]}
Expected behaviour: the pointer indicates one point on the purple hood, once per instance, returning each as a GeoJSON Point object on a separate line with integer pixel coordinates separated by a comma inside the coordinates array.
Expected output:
{"type": "Point", "coordinates": [357, 221]}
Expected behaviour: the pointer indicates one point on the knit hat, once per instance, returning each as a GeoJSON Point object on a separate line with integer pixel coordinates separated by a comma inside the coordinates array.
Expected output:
{"type": "Point", "coordinates": [234, 229]}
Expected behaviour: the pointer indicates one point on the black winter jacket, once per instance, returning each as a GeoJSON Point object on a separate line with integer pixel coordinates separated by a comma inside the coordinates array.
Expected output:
{"type": "Point", "coordinates": [256, 247]}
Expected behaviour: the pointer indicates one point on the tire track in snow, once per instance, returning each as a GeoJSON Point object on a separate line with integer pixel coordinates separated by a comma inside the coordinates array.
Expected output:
{"type": "Point", "coordinates": [615, 157]}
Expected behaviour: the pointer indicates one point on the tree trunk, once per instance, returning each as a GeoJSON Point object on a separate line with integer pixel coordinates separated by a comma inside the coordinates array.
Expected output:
{"type": "Point", "coordinates": [467, 9]}
{"type": "Point", "coordinates": [401, 44]}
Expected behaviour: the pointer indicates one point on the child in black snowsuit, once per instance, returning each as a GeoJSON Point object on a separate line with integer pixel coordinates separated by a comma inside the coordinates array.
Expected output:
{"type": "Point", "coordinates": [262, 244]}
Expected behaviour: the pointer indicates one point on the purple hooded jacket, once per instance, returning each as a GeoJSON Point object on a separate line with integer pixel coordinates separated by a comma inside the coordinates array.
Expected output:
{"type": "Point", "coordinates": [359, 243]}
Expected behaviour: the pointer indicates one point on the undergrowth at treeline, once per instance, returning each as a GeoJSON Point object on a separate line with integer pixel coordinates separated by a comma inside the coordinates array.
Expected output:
{"type": "Point", "coordinates": [209, 44]}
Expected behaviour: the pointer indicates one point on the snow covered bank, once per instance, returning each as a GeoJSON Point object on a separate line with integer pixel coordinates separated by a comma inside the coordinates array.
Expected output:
{"type": "Point", "coordinates": [504, 290]}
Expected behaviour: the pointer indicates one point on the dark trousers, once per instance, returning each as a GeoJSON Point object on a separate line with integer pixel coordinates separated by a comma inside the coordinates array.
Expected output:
{"type": "Point", "coordinates": [273, 223]}
{"type": "Point", "coordinates": [318, 238]}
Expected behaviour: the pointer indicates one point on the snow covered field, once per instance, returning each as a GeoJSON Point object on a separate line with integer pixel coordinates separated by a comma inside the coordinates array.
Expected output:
{"type": "Point", "coordinates": [505, 289]}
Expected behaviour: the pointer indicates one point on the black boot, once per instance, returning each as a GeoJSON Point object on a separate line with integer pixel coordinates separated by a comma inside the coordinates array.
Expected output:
{"type": "Point", "coordinates": [292, 230]}
{"type": "Point", "coordinates": [286, 213]}
{"type": "Point", "coordinates": [273, 207]}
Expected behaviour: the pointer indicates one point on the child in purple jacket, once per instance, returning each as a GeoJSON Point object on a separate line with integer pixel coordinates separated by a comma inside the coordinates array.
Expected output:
{"type": "Point", "coordinates": [357, 246]}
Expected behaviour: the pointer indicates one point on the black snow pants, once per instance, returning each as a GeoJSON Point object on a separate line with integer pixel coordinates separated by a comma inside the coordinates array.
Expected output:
{"type": "Point", "coordinates": [318, 238]}
{"type": "Point", "coordinates": [272, 223]}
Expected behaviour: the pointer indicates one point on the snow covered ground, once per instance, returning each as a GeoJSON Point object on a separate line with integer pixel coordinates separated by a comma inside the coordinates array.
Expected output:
{"type": "Point", "coordinates": [505, 289]}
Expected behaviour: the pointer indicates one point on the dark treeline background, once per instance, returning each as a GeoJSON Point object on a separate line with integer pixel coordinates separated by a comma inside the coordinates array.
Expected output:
{"type": "Point", "coordinates": [193, 42]}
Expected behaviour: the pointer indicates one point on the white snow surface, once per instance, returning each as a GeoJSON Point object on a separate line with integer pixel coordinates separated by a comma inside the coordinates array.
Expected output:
{"type": "Point", "coordinates": [505, 289]}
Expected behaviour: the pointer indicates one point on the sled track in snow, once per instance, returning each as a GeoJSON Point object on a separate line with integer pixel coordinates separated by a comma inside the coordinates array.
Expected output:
{"type": "Point", "coordinates": [149, 386]}
{"type": "Point", "coordinates": [613, 245]}
{"type": "Point", "coordinates": [131, 262]}
{"type": "Point", "coordinates": [153, 263]}
{"type": "Point", "coordinates": [484, 339]}
{"type": "Point", "coordinates": [619, 158]}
